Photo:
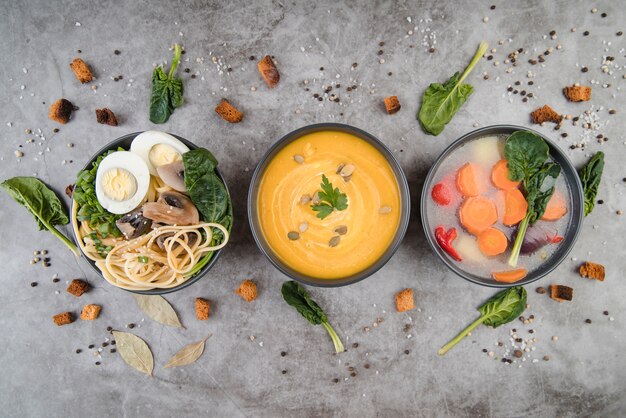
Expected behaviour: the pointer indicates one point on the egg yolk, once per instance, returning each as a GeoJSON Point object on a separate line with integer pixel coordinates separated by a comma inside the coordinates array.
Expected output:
{"type": "Point", "coordinates": [119, 184]}
{"type": "Point", "coordinates": [162, 154]}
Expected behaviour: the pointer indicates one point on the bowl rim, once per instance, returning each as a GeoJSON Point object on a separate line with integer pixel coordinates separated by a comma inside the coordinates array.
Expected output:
{"type": "Point", "coordinates": [156, 291]}
{"type": "Point", "coordinates": [575, 224]}
{"type": "Point", "coordinates": [403, 189]}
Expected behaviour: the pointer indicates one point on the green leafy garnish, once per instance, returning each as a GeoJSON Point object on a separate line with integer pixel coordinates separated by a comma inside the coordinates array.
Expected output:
{"type": "Point", "coordinates": [143, 259]}
{"type": "Point", "coordinates": [330, 199]}
{"type": "Point", "coordinates": [102, 249]}
{"type": "Point", "coordinates": [297, 296]}
{"type": "Point", "coordinates": [89, 209]}
{"type": "Point", "coordinates": [167, 91]}
{"type": "Point", "coordinates": [42, 203]}
{"type": "Point", "coordinates": [526, 154]}
{"type": "Point", "coordinates": [440, 102]}
{"type": "Point", "coordinates": [500, 309]}
{"type": "Point", "coordinates": [590, 176]}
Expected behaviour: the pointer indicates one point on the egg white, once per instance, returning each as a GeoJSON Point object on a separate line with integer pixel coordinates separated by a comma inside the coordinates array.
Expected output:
{"type": "Point", "coordinates": [136, 166]}
{"type": "Point", "coordinates": [143, 143]}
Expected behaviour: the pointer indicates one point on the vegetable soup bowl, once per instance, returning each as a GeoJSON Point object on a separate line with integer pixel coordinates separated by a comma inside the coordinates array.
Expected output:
{"type": "Point", "coordinates": [571, 224]}
{"type": "Point", "coordinates": [335, 245]}
{"type": "Point", "coordinates": [125, 142]}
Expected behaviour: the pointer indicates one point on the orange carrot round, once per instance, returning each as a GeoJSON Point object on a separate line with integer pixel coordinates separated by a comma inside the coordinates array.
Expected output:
{"type": "Point", "coordinates": [477, 214]}
{"type": "Point", "coordinates": [466, 180]}
{"type": "Point", "coordinates": [492, 242]}
{"type": "Point", "coordinates": [555, 209]}
{"type": "Point", "coordinates": [515, 207]}
{"type": "Point", "coordinates": [500, 176]}
{"type": "Point", "coordinates": [510, 276]}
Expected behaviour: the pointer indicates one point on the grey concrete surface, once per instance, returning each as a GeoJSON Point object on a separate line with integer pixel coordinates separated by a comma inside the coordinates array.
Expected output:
{"type": "Point", "coordinates": [43, 376]}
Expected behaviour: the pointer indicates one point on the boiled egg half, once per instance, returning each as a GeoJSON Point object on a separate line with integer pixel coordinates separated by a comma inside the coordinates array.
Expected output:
{"type": "Point", "coordinates": [158, 148]}
{"type": "Point", "coordinates": [122, 182]}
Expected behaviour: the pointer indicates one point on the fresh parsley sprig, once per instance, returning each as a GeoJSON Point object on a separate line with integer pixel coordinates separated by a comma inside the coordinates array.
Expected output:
{"type": "Point", "coordinates": [330, 199]}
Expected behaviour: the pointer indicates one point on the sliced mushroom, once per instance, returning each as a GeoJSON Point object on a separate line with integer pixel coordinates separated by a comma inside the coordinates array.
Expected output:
{"type": "Point", "coordinates": [173, 175]}
{"type": "Point", "coordinates": [191, 239]}
{"type": "Point", "coordinates": [172, 208]}
{"type": "Point", "coordinates": [134, 224]}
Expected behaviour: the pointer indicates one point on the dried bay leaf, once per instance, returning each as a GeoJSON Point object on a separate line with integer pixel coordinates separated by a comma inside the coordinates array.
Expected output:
{"type": "Point", "coordinates": [187, 354]}
{"type": "Point", "coordinates": [134, 351]}
{"type": "Point", "coordinates": [158, 309]}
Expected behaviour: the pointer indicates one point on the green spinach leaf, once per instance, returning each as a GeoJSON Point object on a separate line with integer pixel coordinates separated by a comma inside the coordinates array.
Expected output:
{"type": "Point", "coordinates": [296, 296]}
{"type": "Point", "coordinates": [527, 155]}
{"type": "Point", "coordinates": [197, 163]}
{"type": "Point", "coordinates": [167, 91]}
{"type": "Point", "coordinates": [590, 176]}
{"type": "Point", "coordinates": [42, 203]}
{"type": "Point", "coordinates": [440, 102]}
{"type": "Point", "coordinates": [209, 195]}
{"type": "Point", "coordinates": [500, 309]}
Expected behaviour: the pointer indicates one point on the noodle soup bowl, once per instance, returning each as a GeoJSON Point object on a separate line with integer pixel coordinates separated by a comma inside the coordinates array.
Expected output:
{"type": "Point", "coordinates": [347, 245]}
{"type": "Point", "coordinates": [124, 142]}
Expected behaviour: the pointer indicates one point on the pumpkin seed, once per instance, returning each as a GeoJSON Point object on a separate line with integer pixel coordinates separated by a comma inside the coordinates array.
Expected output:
{"type": "Point", "coordinates": [341, 230]}
{"type": "Point", "coordinates": [316, 198]}
{"type": "Point", "coordinates": [293, 235]}
{"type": "Point", "coordinates": [306, 198]}
{"type": "Point", "coordinates": [346, 170]}
{"type": "Point", "coordinates": [298, 158]}
{"type": "Point", "coordinates": [334, 241]}
{"type": "Point", "coordinates": [347, 178]}
{"type": "Point", "coordinates": [303, 226]}
{"type": "Point", "coordinates": [384, 210]}
{"type": "Point", "coordinates": [340, 167]}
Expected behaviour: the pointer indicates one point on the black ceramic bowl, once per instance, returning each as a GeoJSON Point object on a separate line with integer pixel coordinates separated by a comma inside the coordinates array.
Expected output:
{"type": "Point", "coordinates": [571, 232]}
{"type": "Point", "coordinates": [256, 227]}
{"type": "Point", "coordinates": [124, 142]}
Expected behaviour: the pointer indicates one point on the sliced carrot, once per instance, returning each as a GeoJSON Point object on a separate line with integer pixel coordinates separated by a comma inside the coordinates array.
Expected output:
{"type": "Point", "coordinates": [466, 180]}
{"type": "Point", "coordinates": [492, 242]}
{"type": "Point", "coordinates": [500, 176]}
{"type": "Point", "coordinates": [477, 214]}
{"type": "Point", "coordinates": [510, 276]}
{"type": "Point", "coordinates": [515, 207]}
{"type": "Point", "coordinates": [556, 208]}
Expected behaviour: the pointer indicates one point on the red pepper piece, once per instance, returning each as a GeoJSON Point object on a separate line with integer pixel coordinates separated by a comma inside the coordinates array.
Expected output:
{"type": "Point", "coordinates": [554, 239]}
{"type": "Point", "coordinates": [441, 194]}
{"type": "Point", "coordinates": [444, 239]}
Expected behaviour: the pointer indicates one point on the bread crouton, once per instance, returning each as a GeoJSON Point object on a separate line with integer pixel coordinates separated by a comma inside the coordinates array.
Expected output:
{"type": "Point", "coordinates": [203, 309]}
{"type": "Point", "coordinates": [561, 293]}
{"type": "Point", "coordinates": [81, 70]}
{"type": "Point", "coordinates": [90, 312]}
{"type": "Point", "coordinates": [268, 71]}
{"type": "Point", "coordinates": [577, 93]}
{"type": "Point", "coordinates": [404, 300]}
{"type": "Point", "coordinates": [392, 104]}
{"type": "Point", "coordinates": [592, 271]}
{"type": "Point", "coordinates": [106, 116]}
{"type": "Point", "coordinates": [247, 290]}
{"type": "Point", "coordinates": [61, 110]}
{"type": "Point", "coordinates": [228, 112]}
{"type": "Point", "coordinates": [545, 114]}
{"type": "Point", "coordinates": [63, 318]}
{"type": "Point", "coordinates": [78, 287]}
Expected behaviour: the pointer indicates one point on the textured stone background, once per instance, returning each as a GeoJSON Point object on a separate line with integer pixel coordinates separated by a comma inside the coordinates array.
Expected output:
{"type": "Point", "coordinates": [41, 374]}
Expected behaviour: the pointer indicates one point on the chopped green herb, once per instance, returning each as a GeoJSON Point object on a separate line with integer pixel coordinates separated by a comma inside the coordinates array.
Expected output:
{"type": "Point", "coordinates": [331, 199]}
{"type": "Point", "coordinates": [143, 259]}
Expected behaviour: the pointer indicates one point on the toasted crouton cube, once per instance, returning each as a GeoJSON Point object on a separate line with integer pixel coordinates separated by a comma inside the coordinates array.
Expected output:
{"type": "Point", "coordinates": [78, 287]}
{"type": "Point", "coordinates": [561, 293]}
{"type": "Point", "coordinates": [247, 290]}
{"type": "Point", "coordinates": [268, 71]}
{"type": "Point", "coordinates": [61, 110]}
{"type": "Point", "coordinates": [228, 112]}
{"type": "Point", "coordinates": [392, 104]}
{"type": "Point", "coordinates": [592, 271]}
{"type": "Point", "coordinates": [90, 312]}
{"type": "Point", "coordinates": [106, 116]}
{"type": "Point", "coordinates": [63, 318]}
{"type": "Point", "coordinates": [545, 114]}
{"type": "Point", "coordinates": [577, 93]}
{"type": "Point", "coordinates": [404, 300]}
{"type": "Point", "coordinates": [203, 309]}
{"type": "Point", "coordinates": [81, 70]}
